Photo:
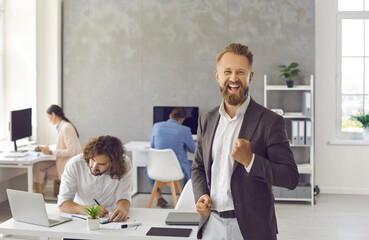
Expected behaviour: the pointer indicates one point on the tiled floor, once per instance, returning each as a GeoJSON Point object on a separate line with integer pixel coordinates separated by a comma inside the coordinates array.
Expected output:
{"type": "Point", "coordinates": [334, 217]}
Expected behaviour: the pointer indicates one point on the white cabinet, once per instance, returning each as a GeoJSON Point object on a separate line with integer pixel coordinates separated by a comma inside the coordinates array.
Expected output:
{"type": "Point", "coordinates": [297, 105]}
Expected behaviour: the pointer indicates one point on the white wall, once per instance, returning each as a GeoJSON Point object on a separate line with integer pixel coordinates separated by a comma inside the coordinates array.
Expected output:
{"type": "Point", "coordinates": [339, 168]}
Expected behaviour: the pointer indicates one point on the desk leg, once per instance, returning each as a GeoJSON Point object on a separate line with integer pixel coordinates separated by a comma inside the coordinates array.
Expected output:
{"type": "Point", "coordinates": [30, 178]}
{"type": "Point", "coordinates": [134, 173]}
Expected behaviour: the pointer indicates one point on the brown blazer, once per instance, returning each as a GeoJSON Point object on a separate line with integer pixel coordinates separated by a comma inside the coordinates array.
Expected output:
{"type": "Point", "coordinates": [274, 164]}
{"type": "Point", "coordinates": [67, 146]}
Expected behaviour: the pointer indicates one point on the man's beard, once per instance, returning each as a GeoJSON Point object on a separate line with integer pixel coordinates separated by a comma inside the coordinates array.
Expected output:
{"type": "Point", "coordinates": [98, 173]}
{"type": "Point", "coordinates": [233, 98]}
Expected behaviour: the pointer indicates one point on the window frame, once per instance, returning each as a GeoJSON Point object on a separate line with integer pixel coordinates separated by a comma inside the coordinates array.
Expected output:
{"type": "Point", "coordinates": [342, 15]}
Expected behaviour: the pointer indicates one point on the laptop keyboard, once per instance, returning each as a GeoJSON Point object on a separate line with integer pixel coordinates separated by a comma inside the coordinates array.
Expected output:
{"type": "Point", "coordinates": [52, 221]}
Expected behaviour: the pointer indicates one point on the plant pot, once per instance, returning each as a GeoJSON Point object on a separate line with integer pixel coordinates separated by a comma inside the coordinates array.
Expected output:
{"type": "Point", "coordinates": [93, 224]}
{"type": "Point", "coordinates": [290, 83]}
{"type": "Point", "coordinates": [366, 134]}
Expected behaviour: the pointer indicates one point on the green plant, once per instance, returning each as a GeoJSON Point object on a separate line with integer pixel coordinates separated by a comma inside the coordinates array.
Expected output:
{"type": "Point", "coordinates": [362, 118]}
{"type": "Point", "coordinates": [93, 211]}
{"type": "Point", "coordinates": [289, 71]}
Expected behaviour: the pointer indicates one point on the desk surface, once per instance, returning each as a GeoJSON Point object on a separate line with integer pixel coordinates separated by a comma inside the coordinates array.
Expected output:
{"type": "Point", "coordinates": [31, 158]}
{"type": "Point", "coordinates": [78, 228]}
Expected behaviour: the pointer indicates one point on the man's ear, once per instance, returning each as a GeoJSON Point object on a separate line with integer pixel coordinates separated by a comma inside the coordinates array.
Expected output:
{"type": "Point", "coordinates": [216, 75]}
{"type": "Point", "coordinates": [250, 78]}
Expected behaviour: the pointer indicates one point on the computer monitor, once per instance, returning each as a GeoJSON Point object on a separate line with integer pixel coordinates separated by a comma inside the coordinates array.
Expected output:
{"type": "Point", "coordinates": [192, 115]}
{"type": "Point", "coordinates": [20, 125]}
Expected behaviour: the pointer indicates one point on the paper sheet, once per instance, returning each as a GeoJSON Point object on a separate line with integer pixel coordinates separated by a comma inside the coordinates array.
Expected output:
{"type": "Point", "coordinates": [111, 225]}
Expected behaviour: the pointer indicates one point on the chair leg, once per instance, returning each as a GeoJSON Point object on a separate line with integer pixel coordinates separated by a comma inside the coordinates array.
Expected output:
{"type": "Point", "coordinates": [56, 187]}
{"type": "Point", "coordinates": [178, 187]}
{"type": "Point", "coordinates": [173, 193]}
{"type": "Point", "coordinates": [153, 193]}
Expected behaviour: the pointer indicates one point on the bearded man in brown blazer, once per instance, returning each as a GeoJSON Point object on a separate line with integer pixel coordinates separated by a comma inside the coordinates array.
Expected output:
{"type": "Point", "coordinates": [242, 150]}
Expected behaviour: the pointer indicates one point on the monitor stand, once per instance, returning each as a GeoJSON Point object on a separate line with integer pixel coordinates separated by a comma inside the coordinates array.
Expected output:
{"type": "Point", "coordinates": [16, 148]}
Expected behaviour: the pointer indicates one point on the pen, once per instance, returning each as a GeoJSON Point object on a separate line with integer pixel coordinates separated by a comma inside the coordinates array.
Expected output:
{"type": "Point", "coordinates": [106, 221]}
{"type": "Point", "coordinates": [96, 202]}
{"type": "Point", "coordinates": [131, 224]}
{"type": "Point", "coordinates": [107, 211]}
{"type": "Point", "coordinates": [76, 216]}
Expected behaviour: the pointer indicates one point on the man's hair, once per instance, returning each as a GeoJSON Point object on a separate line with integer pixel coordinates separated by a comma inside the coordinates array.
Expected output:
{"type": "Point", "coordinates": [178, 113]}
{"type": "Point", "coordinates": [113, 148]}
{"type": "Point", "coordinates": [238, 49]}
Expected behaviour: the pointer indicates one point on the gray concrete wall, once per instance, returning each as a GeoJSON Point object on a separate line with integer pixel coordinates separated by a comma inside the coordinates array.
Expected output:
{"type": "Point", "coordinates": [123, 57]}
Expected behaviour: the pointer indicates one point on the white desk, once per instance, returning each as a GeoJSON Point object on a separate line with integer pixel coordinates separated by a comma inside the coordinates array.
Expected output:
{"type": "Point", "coordinates": [78, 228]}
{"type": "Point", "coordinates": [139, 151]}
{"type": "Point", "coordinates": [24, 162]}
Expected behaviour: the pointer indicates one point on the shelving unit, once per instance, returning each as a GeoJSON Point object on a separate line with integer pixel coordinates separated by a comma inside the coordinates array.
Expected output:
{"type": "Point", "coordinates": [305, 163]}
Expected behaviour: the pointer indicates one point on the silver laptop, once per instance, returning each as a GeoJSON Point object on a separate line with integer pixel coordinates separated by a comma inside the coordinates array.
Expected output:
{"type": "Point", "coordinates": [30, 208]}
{"type": "Point", "coordinates": [182, 218]}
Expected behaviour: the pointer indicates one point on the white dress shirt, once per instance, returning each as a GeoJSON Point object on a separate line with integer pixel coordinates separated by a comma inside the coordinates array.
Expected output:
{"type": "Point", "coordinates": [223, 163]}
{"type": "Point", "coordinates": [78, 184]}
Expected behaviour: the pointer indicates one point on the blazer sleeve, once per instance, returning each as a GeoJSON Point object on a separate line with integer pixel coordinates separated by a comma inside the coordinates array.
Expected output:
{"type": "Point", "coordinates": [198, 175]}
{"type": "Point", "coordinates": [71, 142]}
{"type": "Point", "coordinates": [277, 166]}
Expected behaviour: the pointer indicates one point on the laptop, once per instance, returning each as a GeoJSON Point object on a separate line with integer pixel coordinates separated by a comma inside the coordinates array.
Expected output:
{"type": "Point", "coordinates": [30, 208]}
{"type": "Point", "coordinates": [183, 218]}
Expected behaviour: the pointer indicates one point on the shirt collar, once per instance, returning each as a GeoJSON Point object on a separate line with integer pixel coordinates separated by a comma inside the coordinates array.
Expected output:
{"type": "Point", "coordinates": [240, 111]}
{"type": "Point", "coordinates": [172, 120]}
{"type": "Point", "coordinates": [58, 127]}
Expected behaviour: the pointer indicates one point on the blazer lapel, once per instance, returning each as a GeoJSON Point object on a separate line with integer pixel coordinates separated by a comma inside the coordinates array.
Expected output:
{"type": "Point", "coordinates": [249, 123]}
{"type": "Point", "coordinates": [212, 126]}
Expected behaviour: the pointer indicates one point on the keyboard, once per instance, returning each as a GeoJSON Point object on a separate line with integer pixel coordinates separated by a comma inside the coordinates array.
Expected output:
{"type": "Point", "coordinates": [51, 221]}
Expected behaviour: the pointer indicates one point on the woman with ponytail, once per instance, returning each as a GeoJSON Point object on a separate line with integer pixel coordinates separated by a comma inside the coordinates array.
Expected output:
{"type": "Point", "coordinates": [67, 146]}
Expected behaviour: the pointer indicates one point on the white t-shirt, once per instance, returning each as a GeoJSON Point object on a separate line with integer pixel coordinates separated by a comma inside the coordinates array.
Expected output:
{"type": "Point", "coordinates": [82, 187]}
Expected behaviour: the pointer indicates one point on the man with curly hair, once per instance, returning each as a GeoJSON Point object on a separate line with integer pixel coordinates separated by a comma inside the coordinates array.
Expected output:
{"type": "Point", "coordinates": [101, 174]}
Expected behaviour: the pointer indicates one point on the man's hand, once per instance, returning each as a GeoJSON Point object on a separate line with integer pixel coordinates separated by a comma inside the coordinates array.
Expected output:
{"type": "Point", "coordinates": [121, 212]}
{"type": "Point", "coordinates": [241, 151]}
{"type": "Point", "coordinates": [203, 205]}
{"type": "Point", "coordinates": [103, 212]}
{"type": "Point", "coordinates": [119, 215]}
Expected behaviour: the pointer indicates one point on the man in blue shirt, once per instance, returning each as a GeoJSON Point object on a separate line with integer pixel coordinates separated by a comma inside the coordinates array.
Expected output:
{"type": "Point", "coordinates": [172, 134]}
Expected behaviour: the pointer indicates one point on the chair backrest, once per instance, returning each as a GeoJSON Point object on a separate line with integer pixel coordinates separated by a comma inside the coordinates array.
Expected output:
{"type": "Point", "coordinates": [187, 200]}
{"type": "Point", "coordinates": [163, 165]}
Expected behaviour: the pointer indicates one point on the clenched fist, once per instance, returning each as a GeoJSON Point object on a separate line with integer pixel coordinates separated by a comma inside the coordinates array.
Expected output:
{"type": "Point", "coordinates": [241, 151]}
{"type": "Point", "coordinates": [203, 205]}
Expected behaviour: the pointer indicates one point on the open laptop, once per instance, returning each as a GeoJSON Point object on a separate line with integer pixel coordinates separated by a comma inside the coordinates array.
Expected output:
{"type": "Point", "coordinates": [183, 218]}
{"type": "Point", "coordinates": [30, 208]}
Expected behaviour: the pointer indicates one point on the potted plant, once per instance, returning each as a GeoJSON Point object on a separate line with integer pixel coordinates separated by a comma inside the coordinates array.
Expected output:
{"type": "Point", "coordinates": [93, 221]}
{"type": "Point", "coordinates": [364, 120]}
{"type": "Point", "coordinates": [289, 72]}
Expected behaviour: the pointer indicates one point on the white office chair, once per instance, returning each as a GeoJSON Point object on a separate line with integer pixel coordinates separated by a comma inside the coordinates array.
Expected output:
{"type": "Point", "coordinates": [164, 168]}
{"type": "Point", "coordinates": [187, 200]}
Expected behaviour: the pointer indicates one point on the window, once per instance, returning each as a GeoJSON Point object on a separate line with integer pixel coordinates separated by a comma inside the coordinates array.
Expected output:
{"type": "Point", "coordinates": [2, 113]}
{"type": "Point", "coordinates": [352, 65]}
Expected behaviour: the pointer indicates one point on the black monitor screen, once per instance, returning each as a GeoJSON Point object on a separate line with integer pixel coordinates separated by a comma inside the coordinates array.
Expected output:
{"type": "Point", "coordinates": [192, 115]}
{"type": "Point", "coordinates": [20, 124]}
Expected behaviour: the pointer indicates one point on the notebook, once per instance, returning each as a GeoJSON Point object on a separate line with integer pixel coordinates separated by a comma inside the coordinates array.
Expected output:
{"type": "Point", "coordinates": [169, 232]}
{"type": "Point", "coordinates": [183, 218]}
{"type": "Point", "coordinates": [30, 208]}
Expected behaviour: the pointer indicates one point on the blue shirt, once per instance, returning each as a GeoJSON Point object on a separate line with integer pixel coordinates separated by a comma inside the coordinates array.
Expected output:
{"type": "Point", "coordinates": [171, 134]}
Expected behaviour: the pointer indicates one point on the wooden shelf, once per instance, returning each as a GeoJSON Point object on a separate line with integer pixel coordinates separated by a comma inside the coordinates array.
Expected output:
{"type": "Point", "coordinates": [294, 115]}
{"type": "Point", "coordinates": [305, 168]}
{"type": "Point", "coordinates": [285, 88]}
